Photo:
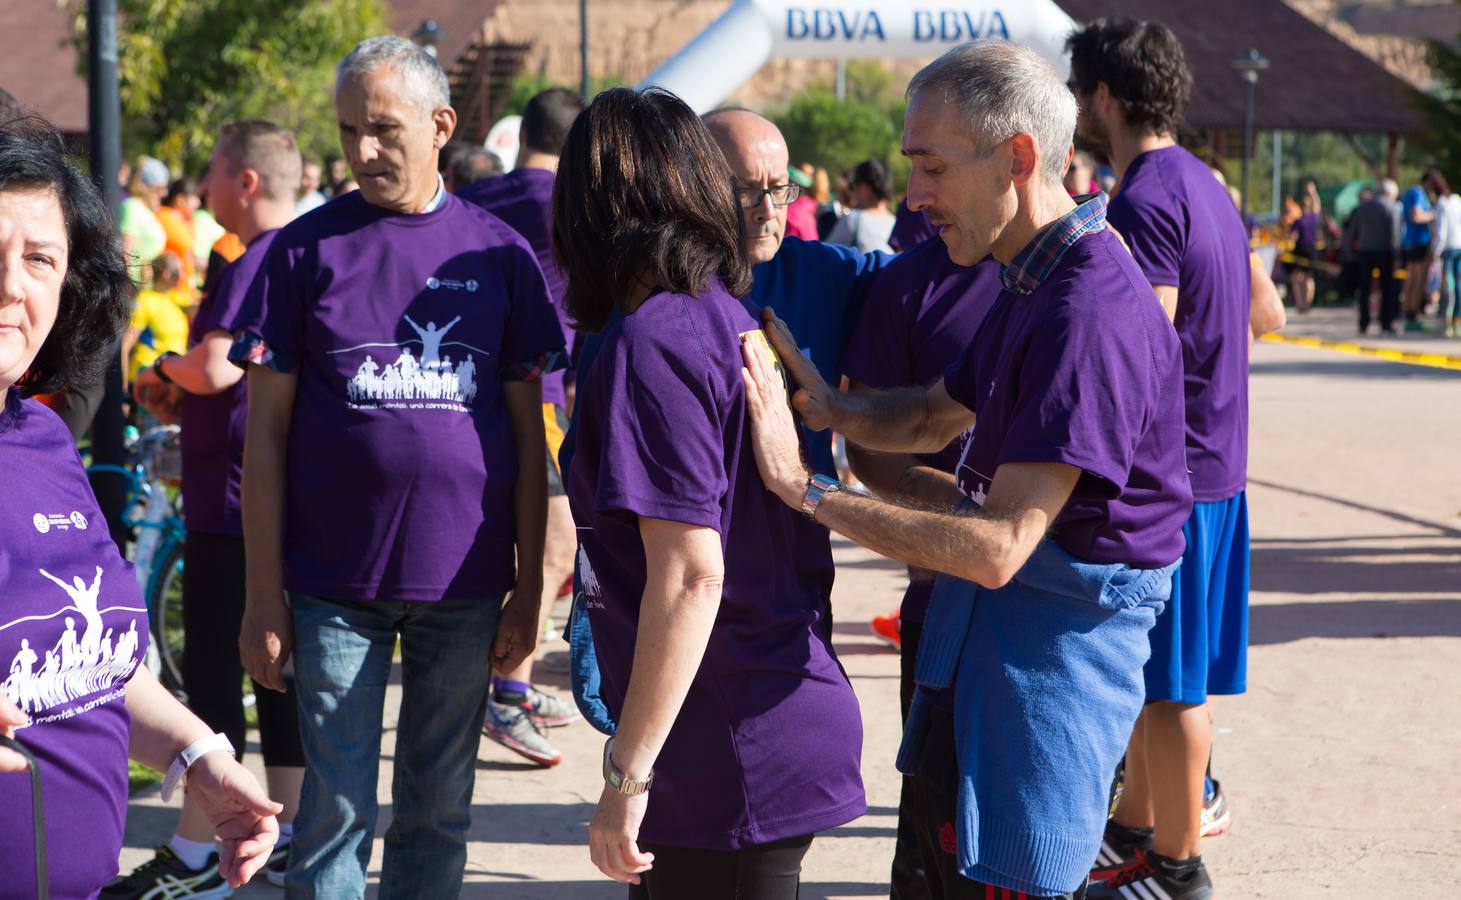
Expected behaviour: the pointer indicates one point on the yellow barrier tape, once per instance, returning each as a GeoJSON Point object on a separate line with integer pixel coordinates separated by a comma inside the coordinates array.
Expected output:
{"type": "Point", "coordinates": [1409, 357]}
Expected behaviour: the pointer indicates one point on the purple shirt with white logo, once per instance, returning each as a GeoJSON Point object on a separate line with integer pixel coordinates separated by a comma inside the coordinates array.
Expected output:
{"type": "Point", "coordinates": [402, 328]}
{"type": "Point", "coordinates": [768, 742]}
{"type": "Point", "coordinates": [1084, 370]}
{"type": "Point", "coordinates": [523, 198]}
{"type": "Point", "coordinates": [73, 628]}
{"type": "Point", "coordinates": [1184, 232]}
{"type": "Point", "coordinates": [921, 314]}
{"type": "Point", "coordinates": [213, 424]}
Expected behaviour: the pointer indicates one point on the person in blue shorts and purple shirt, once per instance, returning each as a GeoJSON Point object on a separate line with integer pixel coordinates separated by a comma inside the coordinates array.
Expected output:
{"type": "Point", "coordinates": [739, 736]}
{"type": "Point", "coordinates": [519, 712]}
{"type": "Point", "coordinates": [1058, 534]}
{"type": "Point", "coordinates": [921, 314]}
{"type": "Point", "coordinates": [394, 482]}
{"type": "Point", "coordinates": [1132, 82]}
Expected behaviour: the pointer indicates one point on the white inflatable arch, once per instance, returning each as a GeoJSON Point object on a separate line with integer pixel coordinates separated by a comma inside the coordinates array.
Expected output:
{"type": "Point", "coordinates": [728, 52]}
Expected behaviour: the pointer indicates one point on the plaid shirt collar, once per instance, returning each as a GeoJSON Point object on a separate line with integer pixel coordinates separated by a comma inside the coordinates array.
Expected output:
{"type": "Point", "coordinates": [1032, 265]}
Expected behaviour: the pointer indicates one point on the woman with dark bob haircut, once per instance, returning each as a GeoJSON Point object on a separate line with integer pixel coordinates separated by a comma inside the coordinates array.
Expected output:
{"type": "Point", "coordinates": [739, 736]}
{"type": "Point", "coordinates": [73, 626]}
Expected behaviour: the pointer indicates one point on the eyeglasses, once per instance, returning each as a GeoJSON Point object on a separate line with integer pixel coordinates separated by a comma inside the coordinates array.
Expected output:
{"type": "Point", "coordinates": [780, 194]}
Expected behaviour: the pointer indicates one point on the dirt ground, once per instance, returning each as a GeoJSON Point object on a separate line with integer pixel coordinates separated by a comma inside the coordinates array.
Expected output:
{"type": "Point", "coordinates": [1339, 762]}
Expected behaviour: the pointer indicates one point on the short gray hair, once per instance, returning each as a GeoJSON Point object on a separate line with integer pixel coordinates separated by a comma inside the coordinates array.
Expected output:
{"type": "Point", "coordinates": [425, 80]}
{"type": "Point", "coordinates": [1389, 188]}
{"type": "Point", "coordinates": [1003, 90]}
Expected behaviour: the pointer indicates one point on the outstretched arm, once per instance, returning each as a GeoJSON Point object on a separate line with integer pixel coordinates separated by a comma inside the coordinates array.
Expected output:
{"type": "Point", "coordinates": [59, 583]}
{"type": "Point", "coordinates": [451, 323]}
{"type": "Point", "coordinates": [419, 329]}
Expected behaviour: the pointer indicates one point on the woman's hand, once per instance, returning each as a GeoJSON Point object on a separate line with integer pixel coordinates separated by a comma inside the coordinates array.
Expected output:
{"type": "Point", "coordinates": [10, 718]}
{"type": "Point", "coordinates": [773, 432]}
{"type": "Point", "coordinates": [613, 836]}
{"type": "Point", "coordinates": [241, 813]}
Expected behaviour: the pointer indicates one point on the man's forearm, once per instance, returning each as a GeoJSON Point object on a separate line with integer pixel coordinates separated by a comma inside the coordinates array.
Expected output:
{"type": "Point", "coordinates": [266, 446]}
{"type": "Point", "coordinates": [899, 420]}
{"type": "Point", "coordinates": [205, 369]}
{"type": "Point", "coordinates": [902, 476]}
{"type": "Point", "coordinates": [530, 493]}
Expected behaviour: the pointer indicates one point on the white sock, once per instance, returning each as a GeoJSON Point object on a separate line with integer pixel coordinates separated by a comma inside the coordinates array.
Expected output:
{"type": "Point", "coordinates": [286, 834]}
{"type": "Point", "coordinates": [194, 854]}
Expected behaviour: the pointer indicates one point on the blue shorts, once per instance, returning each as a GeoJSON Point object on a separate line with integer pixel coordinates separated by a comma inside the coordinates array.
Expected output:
{"type": "Point", "coordinates": [1200, 642]}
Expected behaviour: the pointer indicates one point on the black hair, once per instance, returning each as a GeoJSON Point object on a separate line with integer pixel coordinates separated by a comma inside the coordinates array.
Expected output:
{"type": "Point", "coordinates": [873, 173]}
{"type": "Point", "coordinates": [180, 187]}
{"type": "Point", "coordinates": [1141, 64]}
{"type": "Point", "coordinates": [9, 107]}
{"type": "Point", "coordinates": [547, 118]}
{"type": "Point", "coordinates": [473, 166]}
{"type": "Point", "coordinates": [448, 154]}
{"type": "Point", "coordinates": [96, 294]}
{"type": "Point", "coordinates": [643, 194]}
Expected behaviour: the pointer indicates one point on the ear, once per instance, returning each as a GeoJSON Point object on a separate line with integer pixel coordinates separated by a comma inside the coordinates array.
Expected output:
{"type": "Point", "coordinates": [444, 120]}
{"type": "Point", "coordinates": [249, 181]}
{"type": "Point", "coordinates": [1024, 158]}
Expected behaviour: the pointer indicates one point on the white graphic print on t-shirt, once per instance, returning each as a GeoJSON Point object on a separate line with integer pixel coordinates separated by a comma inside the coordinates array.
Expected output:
{"type": "Point", "coordinates": [432, 382]}
{"type": "Point", "coordinates": [77, 665]}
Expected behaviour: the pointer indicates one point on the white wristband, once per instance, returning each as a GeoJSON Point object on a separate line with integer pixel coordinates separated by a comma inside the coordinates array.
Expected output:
{"type": "Point", "coordinates": [178, 771]}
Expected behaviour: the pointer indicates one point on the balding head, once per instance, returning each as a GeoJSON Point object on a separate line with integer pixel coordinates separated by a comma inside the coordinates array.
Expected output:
{"type": "Point", "coordinates": [757, 156]}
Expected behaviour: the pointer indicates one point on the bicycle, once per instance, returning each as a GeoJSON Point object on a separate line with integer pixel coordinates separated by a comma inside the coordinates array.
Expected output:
{"type": "Point", "coordinates": [153, 513]}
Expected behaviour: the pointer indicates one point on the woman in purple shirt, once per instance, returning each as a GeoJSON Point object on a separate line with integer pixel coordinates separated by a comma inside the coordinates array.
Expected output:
{"type": "Point", "coordinates": [729, 698]}
{"type": "Point", "coordinates": [1306, 250]}
{"type": "Point", "coordinates": [73, 626]}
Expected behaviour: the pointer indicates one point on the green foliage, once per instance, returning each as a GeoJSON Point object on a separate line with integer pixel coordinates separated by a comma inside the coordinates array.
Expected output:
{"type": "Point", "coordinates": [1330, 160]}
{"type": "Point", "coordinates": [140, 777]}
{"type": "Point", "coordinates": [188, 66]}
{"type": "Point", "coordinates": [1442, 138]}
{"type": "Point", "coordinates": [838, 134]}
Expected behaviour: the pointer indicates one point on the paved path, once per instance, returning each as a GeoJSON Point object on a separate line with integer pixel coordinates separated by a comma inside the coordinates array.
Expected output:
{"type": "Point", "coordinates": [1341, 760]}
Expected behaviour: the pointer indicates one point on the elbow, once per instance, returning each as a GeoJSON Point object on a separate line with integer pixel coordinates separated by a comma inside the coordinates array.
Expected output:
{"type": "Point", "coordinates": [702, 589]}
{"type": "Point", "coordinates": [1002, 561]}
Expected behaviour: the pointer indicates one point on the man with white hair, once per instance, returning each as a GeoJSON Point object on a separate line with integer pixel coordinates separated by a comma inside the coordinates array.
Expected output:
{"type": "Point", "coordinates": [413, 502]}
{"type": "Point", "coordinates": [1059, 533]}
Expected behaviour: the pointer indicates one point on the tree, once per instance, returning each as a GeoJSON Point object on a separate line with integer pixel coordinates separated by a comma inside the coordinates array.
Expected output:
{"type": "Point", "coordinates": [1442, 138]}
{"type": "Point", "coordinates": [838, 134]}
{"type": "Point", "coordinates": [188, 66]}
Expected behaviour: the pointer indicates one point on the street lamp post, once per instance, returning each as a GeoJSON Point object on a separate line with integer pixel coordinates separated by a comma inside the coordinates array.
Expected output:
{"type": "Point", "coordinates": [1250, 64]}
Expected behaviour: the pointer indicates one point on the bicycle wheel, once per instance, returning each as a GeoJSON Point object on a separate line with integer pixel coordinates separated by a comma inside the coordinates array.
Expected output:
{"type": "Point", "coordinates": [165, 610]}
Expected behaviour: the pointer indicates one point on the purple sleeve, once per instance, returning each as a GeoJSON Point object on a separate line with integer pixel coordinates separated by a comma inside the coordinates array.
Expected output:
{"type": "Point", "coordinates": [532, 344]}
{"type": "Point", "coordinates": [1086, 395]}
{"type": "Point", "coordinates": [878, 354]}
{"type": "Point", "coordinates": [664, 447]}
{"type": "Point", "coordinates": [271, 329]}
{"type": "Point", "coordinates": [1155, 235]}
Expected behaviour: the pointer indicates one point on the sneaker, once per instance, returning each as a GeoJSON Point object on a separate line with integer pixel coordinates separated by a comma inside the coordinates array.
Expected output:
{"type": "Point", "coordinates": [1144, 881]}
{"type": "Point", "coordinates": [1217, 816]}
{"type": "Point", "coordinates": [165, 877]}
{"type": "Point", "coordinates": [1120, 847]}
{"type": "Point", "coordinates": [1414, 325]}
{"type": "Point", "coordinates": [277, 865]}
{"type": "Point", "coordinates": [549, 711]}
{"type": "Point", "coordinates": [888, 629]}
{"type": "Point", "coordinates": [513, 728]}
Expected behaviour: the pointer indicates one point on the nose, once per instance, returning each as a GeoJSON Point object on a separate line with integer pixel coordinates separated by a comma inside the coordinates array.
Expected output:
{"type": "Point", "coordinates": [10, 279]}
{"type": "Point", "coordinates": [765, 210]}
{"type": "Point", "coordinates": [366, 149]}
{"type": "Point", "coordinates": [920, 196]}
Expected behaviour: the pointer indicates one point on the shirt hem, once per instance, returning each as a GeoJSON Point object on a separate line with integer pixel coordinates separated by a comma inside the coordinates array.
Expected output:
{"type": "Point", "coordinates": [394, 593]}
{"type": "Point", "coordinates": [766, 832]}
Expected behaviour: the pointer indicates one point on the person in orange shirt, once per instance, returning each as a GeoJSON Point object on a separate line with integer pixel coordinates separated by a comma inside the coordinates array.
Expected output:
{"type": "Point", "coordinates": [176, 216]}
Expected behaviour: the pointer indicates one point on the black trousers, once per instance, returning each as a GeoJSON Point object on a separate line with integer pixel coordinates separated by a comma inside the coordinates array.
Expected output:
{"type": "Point", "coordinates": [1389, 288]}
{"type": "Point", "coordinates": [213, 606]}
{"type": "Point", "coordinates": [765, 872]}
{"type": "Point", "coordinates": [908, 881]}
{"type": "Point", "coordinates": [936, 791]}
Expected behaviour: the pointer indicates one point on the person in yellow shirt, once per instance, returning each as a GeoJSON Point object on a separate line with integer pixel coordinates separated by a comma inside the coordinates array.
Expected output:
{"type": "Point", "coordinates": [158, 325]}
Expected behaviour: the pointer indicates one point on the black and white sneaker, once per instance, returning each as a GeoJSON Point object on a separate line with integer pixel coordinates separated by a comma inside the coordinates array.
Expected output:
{"type": "Point", "coordinates": [1119, 848]}
{"type": "Point", "coordinates": [165, 877]}
{"type": "Point", "coordinates": [1148, 878]}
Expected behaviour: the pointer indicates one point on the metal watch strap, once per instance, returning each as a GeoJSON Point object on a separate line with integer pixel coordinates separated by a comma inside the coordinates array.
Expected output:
{"type": "Point", "coordinates": [818, 487]}
{"type": "Point", "coordinates": [616, 779]}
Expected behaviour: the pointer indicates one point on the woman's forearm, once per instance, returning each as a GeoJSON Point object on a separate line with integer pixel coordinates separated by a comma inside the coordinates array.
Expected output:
{"type": "Point", "coordinates": [676, 614]}
{"type": "Point", "coordinates": [161, 726]}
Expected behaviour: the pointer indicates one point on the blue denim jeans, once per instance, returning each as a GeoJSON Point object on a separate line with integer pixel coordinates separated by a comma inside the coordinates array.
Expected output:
{"type": "Point", "coordinates": [342, 664]}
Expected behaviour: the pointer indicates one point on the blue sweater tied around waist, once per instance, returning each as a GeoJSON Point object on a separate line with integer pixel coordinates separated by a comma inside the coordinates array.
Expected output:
{"type": "Point", "coordinates": [1047, 679]}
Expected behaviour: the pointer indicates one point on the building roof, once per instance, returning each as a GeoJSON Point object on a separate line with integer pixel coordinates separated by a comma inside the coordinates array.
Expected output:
{"type": "Point", "coordinates": [459, 20]}
{"type": "Point", "coordinates": [38, 62]}
{"type": "Point", "coordinates": [1314, 82]}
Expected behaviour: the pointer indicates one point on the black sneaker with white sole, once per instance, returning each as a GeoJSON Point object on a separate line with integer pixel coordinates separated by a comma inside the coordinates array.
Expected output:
{"type": "Point", "coordinates": [1119, 846]}
{"type": "Point", "coordinates": [165, 877]}
{"type": "Point", "coordinates": [1150, 877]}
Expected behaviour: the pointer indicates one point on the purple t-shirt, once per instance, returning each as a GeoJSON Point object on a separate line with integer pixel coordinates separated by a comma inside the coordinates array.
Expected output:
{"type": "Point", "coordinates": [1306, 230]}
{"type": "Point", "coordinates": [1184, 231]}
{"type": "Point", "coordinates": [768, 742]}
{"type": "Point", "coordinates": [213, 424]}
{"type": "Point", "coordinates": [1084, 370]}
{"type": "Point", "coordinates": [401, 460]}
{"type": "Point", "coordinates": [921, 314]}
{"type": "Point", "coordinates": [523, 198]}
{"type": "Point", "coordinates": [910, 228]}
{"type": "Point", "coordinates": [73, 628]}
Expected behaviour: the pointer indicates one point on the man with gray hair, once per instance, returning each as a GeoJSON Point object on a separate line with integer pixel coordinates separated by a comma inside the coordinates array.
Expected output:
{"type": "Point", "coordinates": [1058, 535]}
{"type": "Point", "coordinates": [405, 467]}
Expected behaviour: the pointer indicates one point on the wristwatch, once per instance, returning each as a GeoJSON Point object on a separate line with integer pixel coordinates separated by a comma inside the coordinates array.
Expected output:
{"type": "Point", "coordinates": [818, 487]}
{"type": "Point", "coordinates": [157, 366]}
{"type": "Point", "coordinates": [178, 771]}
{"type": "Point", "coordinates": [616, 778]}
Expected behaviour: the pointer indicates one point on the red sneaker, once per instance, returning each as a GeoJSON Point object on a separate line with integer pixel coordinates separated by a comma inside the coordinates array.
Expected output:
{"type": "Point", "coordinates": [888, 628]}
